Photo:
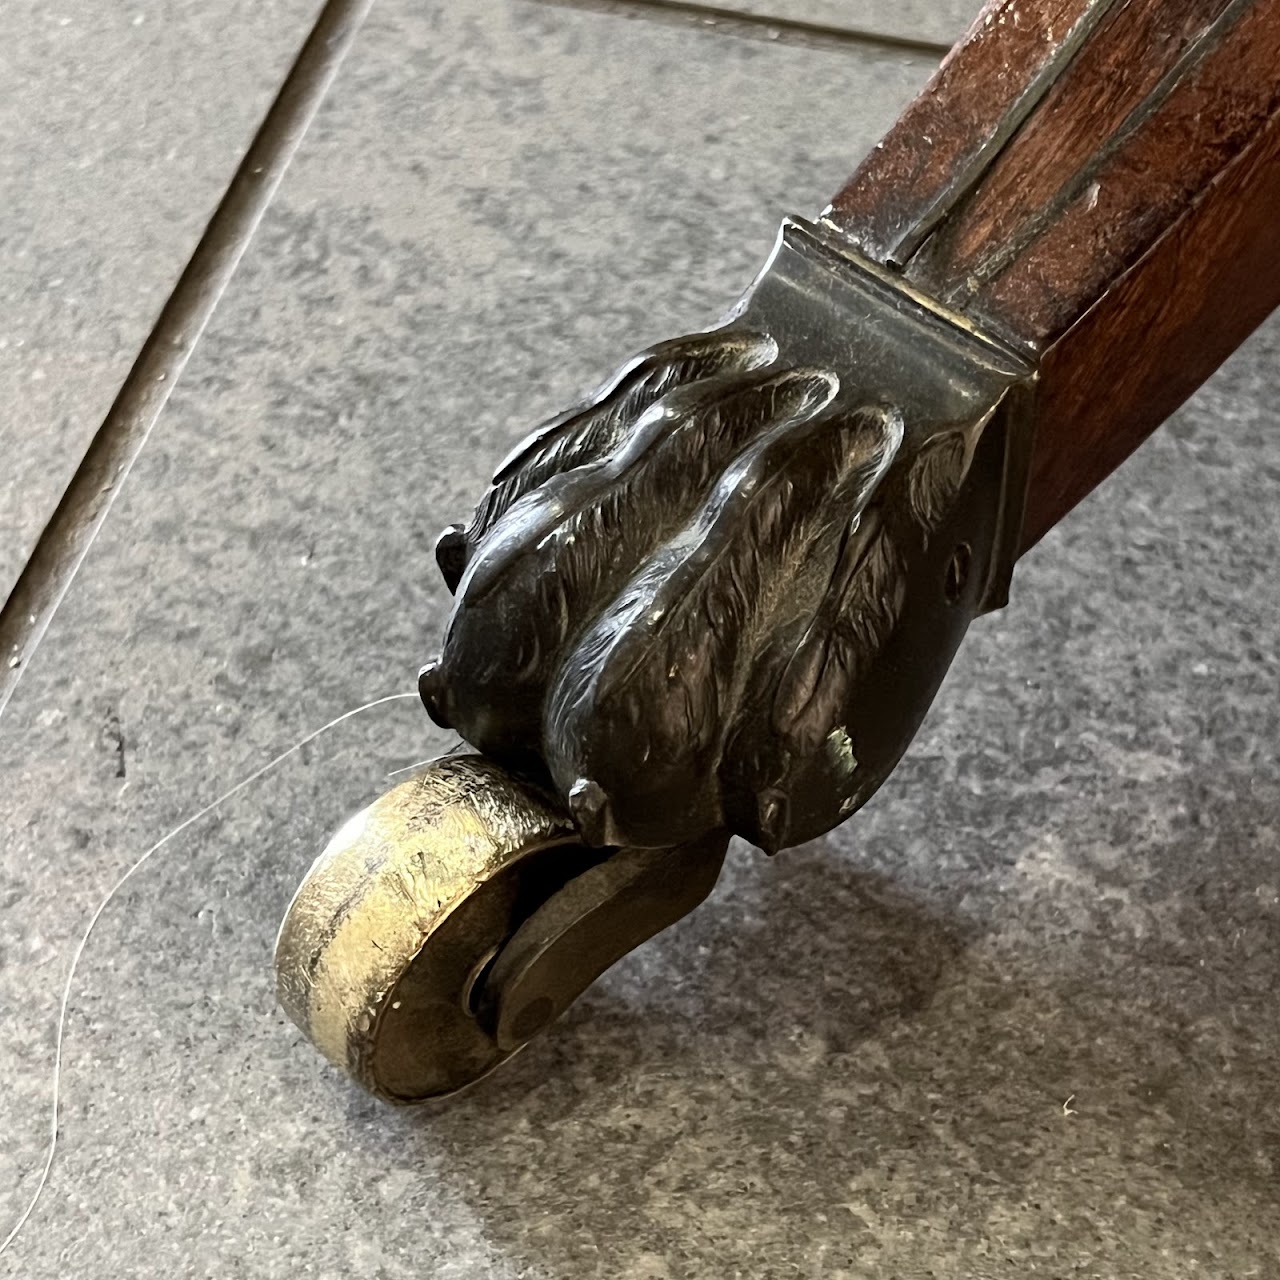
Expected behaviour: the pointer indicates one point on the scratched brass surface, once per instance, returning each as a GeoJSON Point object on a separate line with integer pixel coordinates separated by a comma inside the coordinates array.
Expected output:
{"type": "Point", "coordinates": [397, 916]}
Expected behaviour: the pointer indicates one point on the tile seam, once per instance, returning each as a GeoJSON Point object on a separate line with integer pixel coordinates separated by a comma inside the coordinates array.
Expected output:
{"type": "Point", "coordinates": [721, 20]}
{"type": "Point", "coordinates": [87, 499]}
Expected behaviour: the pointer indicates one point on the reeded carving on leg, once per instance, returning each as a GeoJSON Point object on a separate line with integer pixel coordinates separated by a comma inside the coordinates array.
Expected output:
{"type": "Point", "coordinates": [688, 603]}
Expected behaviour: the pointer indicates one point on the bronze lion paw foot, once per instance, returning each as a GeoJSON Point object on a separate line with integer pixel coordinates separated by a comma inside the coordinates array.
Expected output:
{"type": "Point", "coordinates": [688, 604]}
{"type": "Point", "coordinates": [717, 598]}
{"type": "Point", "coordinates": [720, 596]}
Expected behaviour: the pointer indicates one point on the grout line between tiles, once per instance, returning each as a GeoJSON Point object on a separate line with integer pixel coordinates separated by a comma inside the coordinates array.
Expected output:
{"type": "Point", "coordinates": [707, 17]}
{"type": "Point", "coordinates": [86, 501]}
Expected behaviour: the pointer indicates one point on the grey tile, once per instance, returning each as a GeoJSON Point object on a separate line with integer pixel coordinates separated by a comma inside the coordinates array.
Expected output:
{"type": "Point", "coordinates": [122, 124]}
{"type": "Point", "coordinates": [942, 20]}
{"type": "Point", "coordinates": [854, 1059]}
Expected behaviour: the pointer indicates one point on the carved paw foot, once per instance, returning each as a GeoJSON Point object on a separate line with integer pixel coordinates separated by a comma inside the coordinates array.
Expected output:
{"type": "Point", "coordinates": [719, 595]}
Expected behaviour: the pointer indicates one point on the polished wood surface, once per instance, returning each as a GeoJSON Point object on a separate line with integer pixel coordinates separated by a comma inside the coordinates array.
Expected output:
{"type": "Point", "coordinates": [1097, 183]}
{"type": "Point", "coordinates": [1155, 336]}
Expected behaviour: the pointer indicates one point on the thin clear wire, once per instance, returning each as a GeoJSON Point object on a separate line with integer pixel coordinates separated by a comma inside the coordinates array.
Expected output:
{"type": "Point", "coordinates": [55, 1109]}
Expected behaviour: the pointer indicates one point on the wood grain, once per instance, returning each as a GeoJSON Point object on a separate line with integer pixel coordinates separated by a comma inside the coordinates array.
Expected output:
{"type": "Point", "coordinates": [1039, 243]}
{"type": "Point", "coordinates": [1126, 228]}
{"type": "Point", "coordinates": [1158, 333]}
{"type": "Point", "coordinates": [948, 128]}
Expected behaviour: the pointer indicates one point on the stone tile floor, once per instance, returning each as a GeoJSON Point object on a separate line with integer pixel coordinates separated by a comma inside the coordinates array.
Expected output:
{"type": "Point", "coordinates": [939, 22]}
{"type": "Point", "coordinates": [121, 125]}
{"type": "Point", "coordinates": [1017, 1019]}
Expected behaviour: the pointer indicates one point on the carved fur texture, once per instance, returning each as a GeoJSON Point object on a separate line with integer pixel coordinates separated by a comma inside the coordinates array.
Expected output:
{"type": "Point", "coordinates": [673, 598]}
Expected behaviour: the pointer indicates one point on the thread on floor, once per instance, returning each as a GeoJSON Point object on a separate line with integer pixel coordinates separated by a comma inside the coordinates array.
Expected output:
{"type": "Point", "coordinates": [68, 987]}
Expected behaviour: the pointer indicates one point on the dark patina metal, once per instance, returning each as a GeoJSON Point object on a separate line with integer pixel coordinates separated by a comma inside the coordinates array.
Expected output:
{"type": "Point", "coordinates": [722, 593]}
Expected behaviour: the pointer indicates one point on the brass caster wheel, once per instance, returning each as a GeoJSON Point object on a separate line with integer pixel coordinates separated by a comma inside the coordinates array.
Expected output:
{"type": "Point", "coordinates": [455, 918]}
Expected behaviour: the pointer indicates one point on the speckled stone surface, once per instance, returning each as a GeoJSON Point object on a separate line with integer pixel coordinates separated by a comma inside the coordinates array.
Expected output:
{"type": "Point", "coordinates": [1016, 1019]}
{"type": "Point", "coordinates": [122, 123]}
{"type": "Point", "coordinates": [941, 20]}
